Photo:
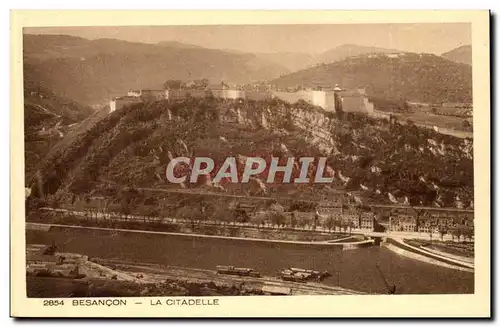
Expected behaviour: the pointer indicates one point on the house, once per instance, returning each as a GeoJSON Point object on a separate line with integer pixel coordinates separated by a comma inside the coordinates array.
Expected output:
{"type": "Point", "coordinates": [351, 219]}
{"type": "Point", "coordinates": [366, 220]}
{"type": "Point", "coordinates": [330, 209]}
{"type": "Point", "coordinates": [319, 98]}
{"type": "Point", "coordinates": [134, 93]}
{"type": "Point", "coordinates": [232, 94]}
{"type": "Point", "coordinates": [428, 224]}
{"type": "Point", "coordinates": [403, 223]}
{"type": "Point", "coordinates": [148, 94]}
{"type": "Point", "coordinates": [120, 102]}
{"type": "Point", "coordinates": [355, 101]}
{"type": "Point", "coordinates": [154, 95]}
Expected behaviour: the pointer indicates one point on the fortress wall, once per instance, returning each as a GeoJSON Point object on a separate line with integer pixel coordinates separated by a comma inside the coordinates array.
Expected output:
{"type": "Point", "coordinates": [258, 96]}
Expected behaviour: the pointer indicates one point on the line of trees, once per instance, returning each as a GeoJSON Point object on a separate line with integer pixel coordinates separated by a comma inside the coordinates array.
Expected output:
{"type": "Point", "coordinates": [133, 206]}
{"type": "Point", "coordinates": [458, 232]}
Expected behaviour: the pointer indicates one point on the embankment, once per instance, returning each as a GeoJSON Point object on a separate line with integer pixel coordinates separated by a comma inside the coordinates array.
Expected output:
{"type": "Point", "coordinates": [342, 245]}
{"type": "Point", "coordinates": [354, 269]}
{"type": "Point", "coordinates": [398, 246]}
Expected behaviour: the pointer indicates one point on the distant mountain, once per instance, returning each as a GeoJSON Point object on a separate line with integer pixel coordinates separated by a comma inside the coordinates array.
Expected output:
{"type": "Point", "coordinates": [461, 54]}
{"type": "Point", "coordinates": [348, 50]}
{"type": "Point", "coordinates": [46, 119]}
{"type": "Point", "coordinates": [293, 61]}
{"type": "Point", "coordinates": [55, 104]}
{"type": "Point", "coordinates": [177, 44]}
{"type": "Point", "coordinates": [410, 76]}
{"type": "Point", "coordinates": [93, 71]}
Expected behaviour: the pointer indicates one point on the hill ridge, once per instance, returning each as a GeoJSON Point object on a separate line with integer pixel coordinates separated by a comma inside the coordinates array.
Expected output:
{"type": "Point", "coordinates": [93, 71]}
{"type": "Point", "coordinates": [408, 76]}
{"type": "Point", "coordinates": [461, 54]}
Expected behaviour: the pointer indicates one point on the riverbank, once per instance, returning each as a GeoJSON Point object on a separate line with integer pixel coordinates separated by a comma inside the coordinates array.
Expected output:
{"type": "Point", "coordinates": [451, 256]}
{"type": "Point", "coordinates": [347, 245]}
{"type": "Point", "coordinates": [193, 227]}
{"type": "Point", "coordinates": [117, 278]}
{"type": "Point", "coordinates": [400, 247]}
{"type": "Point", "coordinates": [460, 251]}
{"type": "Point", "coordinates": [355, 269]}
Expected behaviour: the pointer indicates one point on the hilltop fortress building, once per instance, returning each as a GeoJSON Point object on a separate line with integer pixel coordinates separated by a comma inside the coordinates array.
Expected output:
{"type": "Point", "coordinates": [333, 100]}
{"type": "Point", "coordinates": [137, 96]}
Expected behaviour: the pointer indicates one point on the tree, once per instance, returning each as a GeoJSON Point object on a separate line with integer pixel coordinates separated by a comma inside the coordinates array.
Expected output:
{"type": "Point", "coordinates": [329, 223]}
{"type": "Point", "coordinates": [351, 225]}
{"type": "Point", "coordinates": [344, 225]}
{"type": "Point", "coordinates": [240, 215]}
{"type": "Point", "coordinates": [95, 213]}
{"type": "Point", "coordinates": [277, 218]}
{"type": "Point", "coordinates": [456, 232]}
{"type": "Point", "coordinates": [277, 215]}
{"type": "Point", "coordinates": [442, 231]}
{"type": "Point", "coordinates": [125, 208]}
{"type": "Point", "coordinates": [184, 213]}
{"type": "Point", "coordinates": [222, 214]}
{"type": "Point", "coordinates": [468, 233]}
{"type": "Point", "coordinates": [153, 213]}
{"type": "Point", "coordinates": [316, 220]}
{"type": "Point", "coordinates": [293, 219]}
{"type": "Point", "coordinates": [102, 208]}
{"type": "Point", "coordinates": [258, 220]}
{"type": "Point", "coordinates": [337, 223]}
{"type": "Point", "coordinates": [431, 231]}
{"type": "Point", "coordinates": [301, 222]}
{"type": "Point", "coordinates": [54, 203]}
{"type": "Point", "coordinates": [464, 231]}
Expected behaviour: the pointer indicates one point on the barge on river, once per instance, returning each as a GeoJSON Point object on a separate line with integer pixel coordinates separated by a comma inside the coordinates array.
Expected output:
{"type": "Point", "coordinates": [302, 275]}
{"type": "Point", "coordinates": [238, 271]}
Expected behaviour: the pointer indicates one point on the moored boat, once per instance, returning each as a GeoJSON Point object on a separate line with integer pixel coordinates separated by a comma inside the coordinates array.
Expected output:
{"type": "Point", "coordinates": [239, 271]}
{"type": "Point", "coordinates": [302, 275]}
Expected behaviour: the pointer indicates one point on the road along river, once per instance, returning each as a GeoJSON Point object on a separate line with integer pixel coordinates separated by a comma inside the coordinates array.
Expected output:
{"type": "Point", "coordinates": [362, 269]}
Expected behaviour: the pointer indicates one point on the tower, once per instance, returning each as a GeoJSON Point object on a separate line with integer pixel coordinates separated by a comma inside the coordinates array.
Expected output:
{"type": "Point", "coordinates": [337, 98]}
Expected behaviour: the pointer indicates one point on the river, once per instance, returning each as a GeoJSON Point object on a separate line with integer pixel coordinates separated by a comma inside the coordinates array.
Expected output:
{"type": "Point", "coordinates": [353, 269]}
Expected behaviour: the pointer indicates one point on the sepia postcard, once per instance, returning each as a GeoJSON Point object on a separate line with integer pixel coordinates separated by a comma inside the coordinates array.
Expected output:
{"type": "Point", "coordinates": [250, 164]}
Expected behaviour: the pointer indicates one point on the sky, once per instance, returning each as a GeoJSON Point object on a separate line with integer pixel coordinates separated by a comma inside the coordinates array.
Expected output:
{"type": "Point", "coordinates": [429, 37]}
